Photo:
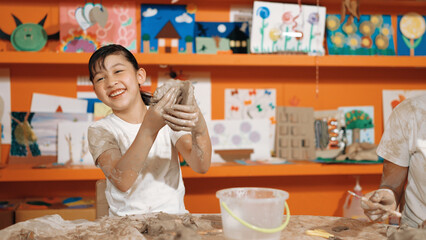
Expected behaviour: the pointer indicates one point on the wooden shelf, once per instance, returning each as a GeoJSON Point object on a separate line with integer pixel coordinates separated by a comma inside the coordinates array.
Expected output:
{"type": "Point", "coordinates": [20, 173]}
{"type": "Point", "coordinates": [234, 60]}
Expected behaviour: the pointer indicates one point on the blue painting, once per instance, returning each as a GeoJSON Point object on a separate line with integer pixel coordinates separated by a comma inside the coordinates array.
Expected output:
{"type": "Point", "coordinates": [411, 35]}
{"type": "Point", "coordinates": [221, 37]}
{"type": "Point", "coordinates": [368, 35]}
{"type": "Point", "coordinates": [167, 28]}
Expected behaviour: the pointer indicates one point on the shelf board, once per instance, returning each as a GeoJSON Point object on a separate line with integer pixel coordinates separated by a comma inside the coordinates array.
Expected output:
{"type": "Point", "coordinates": [24, 173]}
{"type": "Point", "coordinates": [232, 60]}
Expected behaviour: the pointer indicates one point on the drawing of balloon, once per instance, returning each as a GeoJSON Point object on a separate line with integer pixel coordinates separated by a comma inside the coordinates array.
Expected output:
{"type": "Point", "coordinates": [263, 12]}
{"type": "Point", "coordinates": [412, 26]}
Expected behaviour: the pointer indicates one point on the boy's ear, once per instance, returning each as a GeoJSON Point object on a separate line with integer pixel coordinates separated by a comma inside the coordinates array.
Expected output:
{"type": "Point", "coordinates": [141, 76]}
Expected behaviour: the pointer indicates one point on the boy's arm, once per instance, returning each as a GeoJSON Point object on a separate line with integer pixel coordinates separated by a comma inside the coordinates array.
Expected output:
{"type": "Point", "coordinates": [196, 148]}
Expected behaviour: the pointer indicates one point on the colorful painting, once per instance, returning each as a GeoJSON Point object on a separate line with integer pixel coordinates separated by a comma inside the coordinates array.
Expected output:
{"type": "Point", "coordinates": [35, 134]}
{"type": "Point", "coordinates": [392, 98]}
{"type": "Point", "coordinates": [85, 28]}
{"type": "Point", "coordinates": [359, 123]}
{"type": "Point", "coordinates": [252, 104]}
{"type": "Point", "coordinates": [368, 35]}
{"type": "Point", "coordinates": [221, 37]}
{"type": "Point", "coordinates": [73, 147]}
{"type": "Point", "coordinates": [168, 28]}
{"type": "Point", "coordinates": [411, 30]}
{"type": "Point", "coordinates": [250, 135]}
{"type": "Point", "coordinates": [282, 27]}
{"type": "Point", "coordinates": [5, 106]}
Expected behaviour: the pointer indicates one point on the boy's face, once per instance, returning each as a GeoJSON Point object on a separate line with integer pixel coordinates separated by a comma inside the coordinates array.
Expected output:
{"type": "Point", "coordinates": [117, 85]}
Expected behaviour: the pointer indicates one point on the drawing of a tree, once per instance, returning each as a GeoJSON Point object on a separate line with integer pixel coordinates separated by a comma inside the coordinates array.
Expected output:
{"type": "Point", "coordinates": [357, 120]}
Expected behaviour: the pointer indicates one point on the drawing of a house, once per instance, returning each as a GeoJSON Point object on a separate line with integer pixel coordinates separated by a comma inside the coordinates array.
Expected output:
{"type": "Point", "coordinates": [238, 40]}
{"type": "Point", "coordinates": [168, 39]}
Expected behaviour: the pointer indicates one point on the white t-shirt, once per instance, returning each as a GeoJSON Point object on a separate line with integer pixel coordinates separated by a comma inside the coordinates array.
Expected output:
{"type": "Point", "coordinates": [404, 143]}
{"type": "Point", "coordinates": [159, 185]}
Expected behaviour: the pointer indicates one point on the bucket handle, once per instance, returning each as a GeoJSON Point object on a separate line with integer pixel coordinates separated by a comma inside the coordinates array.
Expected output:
{"type": "Point", "coordinates": [259, 229]}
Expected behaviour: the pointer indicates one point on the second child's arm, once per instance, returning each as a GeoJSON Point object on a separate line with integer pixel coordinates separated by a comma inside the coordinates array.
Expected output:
{"type": "Point", "coordinates": [122, 170]}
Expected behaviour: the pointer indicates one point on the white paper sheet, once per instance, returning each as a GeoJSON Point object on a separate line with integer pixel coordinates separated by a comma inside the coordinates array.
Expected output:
{"type": "Point", "coordinates": [51, 103]}
{"type": "Point", "coordinates": [240, 134]}
{"type": "Point", "coordinates": [73, 144]}
{"type": "Point", "coordinates": [5, 105]}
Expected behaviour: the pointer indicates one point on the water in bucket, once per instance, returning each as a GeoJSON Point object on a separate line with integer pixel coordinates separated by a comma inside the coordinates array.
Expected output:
{"type": "Point", "coordinates": [259, 207]}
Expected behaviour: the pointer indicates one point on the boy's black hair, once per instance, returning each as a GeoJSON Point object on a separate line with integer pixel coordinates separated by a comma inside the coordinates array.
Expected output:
{"type": "Point", "coordinates": [97, 60]}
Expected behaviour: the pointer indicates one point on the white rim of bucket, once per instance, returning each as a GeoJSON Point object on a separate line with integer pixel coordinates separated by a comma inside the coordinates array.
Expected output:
{"type": "Point", "coordinates": [249, 225]}
{"type": "Point", "coordinates": [279, 194]}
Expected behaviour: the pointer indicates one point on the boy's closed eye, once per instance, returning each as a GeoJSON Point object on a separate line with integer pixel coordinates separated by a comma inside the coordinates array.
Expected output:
{"type": "Point", "coordinates": [118, 71]}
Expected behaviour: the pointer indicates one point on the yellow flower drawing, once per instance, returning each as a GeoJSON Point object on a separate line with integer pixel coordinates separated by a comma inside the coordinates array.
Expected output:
{"type": "Point", "coordinates": [338, 39]}
{"type": "Point", "coordinates": [382, 41]}
{"type": "Point", "coordinates": [412, 25]}
{"type": "Point", "coordinates": [354, 41]}
{"type": "Point", "coordinates": [386, 30]}
{"type": "Point", "coordinates": [367, 28]}
{"type": "Point", "coordinates": [274, 34]}
{"type": "Point", "coordinates": [333, 23]}
{"type": "Point", "coordinates": [377, 20]}
{"type": "Point", "coordinates": [349, 28]}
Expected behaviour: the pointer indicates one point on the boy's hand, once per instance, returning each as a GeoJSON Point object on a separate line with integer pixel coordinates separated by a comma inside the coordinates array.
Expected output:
{"type": "Point", "coordinates": [378, 200]}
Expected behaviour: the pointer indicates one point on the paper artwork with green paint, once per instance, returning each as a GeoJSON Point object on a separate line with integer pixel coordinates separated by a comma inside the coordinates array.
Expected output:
{"type": "Point", "coordinates": [287, 28]}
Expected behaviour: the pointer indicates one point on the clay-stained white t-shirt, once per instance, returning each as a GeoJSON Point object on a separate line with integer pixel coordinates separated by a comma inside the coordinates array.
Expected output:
{"type": "Point", "coordinates": [159, 185]}
{"type": "Point", "coordinates": [404, 143]}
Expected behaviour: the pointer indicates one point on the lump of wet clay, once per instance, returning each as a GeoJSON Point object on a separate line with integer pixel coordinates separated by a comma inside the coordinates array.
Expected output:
{"type": "Point", "coordinates": [185, 96]}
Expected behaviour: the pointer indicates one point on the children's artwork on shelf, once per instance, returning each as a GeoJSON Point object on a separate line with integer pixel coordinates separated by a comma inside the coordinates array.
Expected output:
{"type": "Point", "coordinates": [168, 28]}
{"type": "Point", "coordinates": [287, 28]}
{"type": "Point", "coordinates": [252, 104]}
{"type": "Point", "coordinates": [101, 111]}
{"type": "Point", "coordinates": [366, 35]}
{"type": "Point", "coordinates": [85, 28]}
{"type": "Point", "coordinates": [410, 35]}
{"type": "Point", "coordinates": [241, 13]}
{"type": "Point", "coordinates": [5, 106]}
{"type": "Point", "coordinates": [34, 135]}
{"type": "Point", "coordinates": [392, 98]}
{"type": "Point", "coordinates": [239, 139]}
{"type": "Point", "coordinates": [202, 87]}
{"type": "Point", "coordinates": [329, 135]}
{"type": "Point", "coordinates": [359, 123]}
{"type": "Point", "coordinates": [221, 37]}
{"type": "Point", "coordinates": [73, 147]}
{"type": "Point", "coordinates": [85, 92]}
{"type": "Point", "coordinates": [295, 135]}
{"type": "Point", "coordinates": [50, 103]}
{"type": "Point", "coordinates": [28, 27]}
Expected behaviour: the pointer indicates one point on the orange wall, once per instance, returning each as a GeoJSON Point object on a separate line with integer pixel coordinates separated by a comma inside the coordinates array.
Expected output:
{"type": "Point", "coordinates": [321, 195]}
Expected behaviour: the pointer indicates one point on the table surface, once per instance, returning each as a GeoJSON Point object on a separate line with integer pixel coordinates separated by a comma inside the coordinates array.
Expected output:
{"type": "Point", "coordinates": [167, 226]}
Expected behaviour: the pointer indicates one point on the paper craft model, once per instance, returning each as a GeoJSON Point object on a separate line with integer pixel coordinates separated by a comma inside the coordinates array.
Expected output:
{"type": "Point", "coordinates": [28, 36]}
